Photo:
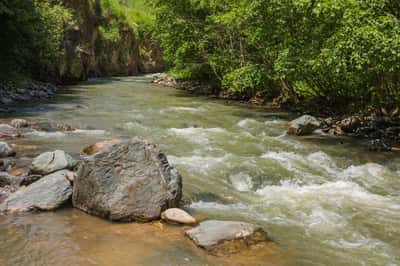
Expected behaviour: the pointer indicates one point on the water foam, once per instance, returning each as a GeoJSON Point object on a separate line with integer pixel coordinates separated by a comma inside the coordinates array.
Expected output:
{"type": "Point", "coordinates": [44, 134]}
{"type": "Point", "coordinates": [197, 135]}
{"type": "Point", "coordinates": [241, 182]}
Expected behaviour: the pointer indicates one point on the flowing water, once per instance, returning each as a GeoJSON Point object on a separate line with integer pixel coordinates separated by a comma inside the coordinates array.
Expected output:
{"type": "Point", "coordinates": [323, 200]}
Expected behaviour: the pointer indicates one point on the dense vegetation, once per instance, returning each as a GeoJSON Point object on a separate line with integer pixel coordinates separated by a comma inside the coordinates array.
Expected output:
{"type": "Point", "coordinates": [341, 51]}
{"type": "Point", "coordinates": [33, 31]}
{"type": "Point", "coordinates": [31, 35]}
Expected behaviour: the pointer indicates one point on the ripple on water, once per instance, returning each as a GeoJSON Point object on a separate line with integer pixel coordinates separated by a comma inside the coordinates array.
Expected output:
{"type": "Point", "coordinates": [197, 135]}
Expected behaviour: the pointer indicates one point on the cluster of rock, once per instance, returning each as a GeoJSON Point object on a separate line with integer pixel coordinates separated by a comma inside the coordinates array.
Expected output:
{"type": "Point", "coordinates": [24, 91]}
{"type": "Point", "coordinates": [165, 80]}
{"type": "Point", "coordinates": [20, 127]}
{"type": "Point", "coordinates": [119, 180]}
{"type": "Point", "coordinates": [382, 131]}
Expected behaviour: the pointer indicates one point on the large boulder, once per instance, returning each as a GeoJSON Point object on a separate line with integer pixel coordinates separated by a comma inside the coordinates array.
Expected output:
{"type": "Point", "coordinates": [130, 181]}
{"type": "Point", "coordinates": [50, 162]}
{"type": "Point", "coordinates": [47, 194]}
{"type": "Point", "coordinates": [226, 237]}
{"type": "Point", "coordinates": [6, 150]}
{"type": "Point", "coordinates": [303, 125]}
{"type": "Point", "coordinates": [8, 131]}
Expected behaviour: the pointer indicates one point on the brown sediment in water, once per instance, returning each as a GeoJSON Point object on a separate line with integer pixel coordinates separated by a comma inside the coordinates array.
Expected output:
{"type": "Point", "coordinates": [70, 237]}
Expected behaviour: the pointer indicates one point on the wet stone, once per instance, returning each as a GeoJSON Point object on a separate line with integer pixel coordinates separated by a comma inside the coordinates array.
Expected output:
{"type": "Point", "coordinates": [50, 162]}
{"type": "Point", "coordinates": [226, 237]}
{"type": "Point", "coordinates": [47, 194]}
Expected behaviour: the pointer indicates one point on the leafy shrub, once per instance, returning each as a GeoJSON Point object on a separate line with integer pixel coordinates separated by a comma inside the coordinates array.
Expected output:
{"type": "Point", "coordinates": [344, 51]}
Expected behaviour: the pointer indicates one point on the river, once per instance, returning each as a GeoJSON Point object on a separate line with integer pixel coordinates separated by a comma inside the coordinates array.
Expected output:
{"type": "Point", "coordinates": [323, 200]}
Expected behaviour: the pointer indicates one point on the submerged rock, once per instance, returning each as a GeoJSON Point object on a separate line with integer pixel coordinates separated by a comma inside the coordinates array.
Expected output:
{"type": "Point", "coordinates": [130, 181]}
{"type": "Point", "coordinates": [47, 194]}
{"type": "Point", "coordinates": [226, 237]}
{"type": "Point", "coordinates": [100, 146]}
{"type": "Point", "coordinates": [50, 162]}
{"type": "Point", "coordinates": [50, 127]}
{"type": "Point", "coordinates": [8, 131]}
{"type": "Point", "coordinates": [303, 125]}
{"type": "Point", "coordinates": [6, 150]}
{"type": "Point", "coordinates": [177, 216]}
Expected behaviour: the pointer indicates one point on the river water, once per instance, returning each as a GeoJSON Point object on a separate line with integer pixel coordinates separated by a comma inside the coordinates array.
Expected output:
{"type": "Point", "coordinates": [323, 200]}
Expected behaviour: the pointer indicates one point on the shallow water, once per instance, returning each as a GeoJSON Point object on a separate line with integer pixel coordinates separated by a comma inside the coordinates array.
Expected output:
{"type": "Point", "coordinates": [324, 201]}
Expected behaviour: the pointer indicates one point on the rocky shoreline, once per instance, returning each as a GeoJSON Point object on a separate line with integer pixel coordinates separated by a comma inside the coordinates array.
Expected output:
{"type": "Point", "coordinates": [120, 180]}
{"type": "Point", "coordinates": [23, 91]}
{"type": "Point", "coordinates": [380, 128]}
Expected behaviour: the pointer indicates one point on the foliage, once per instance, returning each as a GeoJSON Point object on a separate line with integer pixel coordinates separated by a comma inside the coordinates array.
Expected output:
{"type": "Point", "coordinates": [347, 50]}
{"type": "Point", "coordinates": [117, 15]}
{"type": "Point", "coordinates": [31, 36]}
{"type": "Point", "coordinates": [33, 31]}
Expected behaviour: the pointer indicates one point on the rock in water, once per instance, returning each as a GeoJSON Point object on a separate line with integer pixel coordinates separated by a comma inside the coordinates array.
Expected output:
{"type": "Point", "coordinates": [226, 237]}
{"type": "Point", "coordinates": [304, 125]}
{"type": "Point", "coordinates": [130, 181]}
{"type": "Point", "coordinates": [50, 162]}
{"type": "Point", "coordinates": [177, 216]}
{"type": "Point", "coordinates": [100, 146]}
{"type": "Point", "coordinates": [19, 123]}
{"type": "Point", "coordinates": [8, 131]}
{"type": "Point", "coordinates": [47, 194]}
{"type": "Point", "coordinates": [6, 150]}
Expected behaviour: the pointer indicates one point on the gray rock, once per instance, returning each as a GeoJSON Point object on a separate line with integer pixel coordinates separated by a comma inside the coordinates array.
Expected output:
{"type": "Point", "coordinates": [5, 179]}
{"type": "Point", "coordinates": [130, 181]}
{"type": "Point", "coordinates": [350, 124]}
{"type": "Point", "coordinates": [49, 193]}
{"type": "Point", "coordinates": [50, 162]}
{"type": "Point", "coordinates": [19, 123]}
{"type": "Point", "coordinates": [303, 125]}
{"type": "Point", "coordinates": [6, 150]}
{"type": "Point", "coordinates": [226, 236]}
{"type": "Point", "coordinates": [8, 131]}
{"type": "Point", "coordinates": [379, 145]}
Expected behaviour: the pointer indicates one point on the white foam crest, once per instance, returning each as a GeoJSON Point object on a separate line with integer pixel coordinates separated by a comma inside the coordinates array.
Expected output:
{"type": "Point", "coordinates": [324, 161]}
{"type": "Point", "coordinates": [322, 208]}
{"type": "Point", "coordinates": [337, 194]}
{"type": "Point", "coordinates": [371, 175]}
{"type": "Point", "coordinates": [198, 163]}
{"type": "Point", "coordinates": [302, 165]}
{"type": "Point", "coordinates": [185, 109]}
{"type": "Point", "coordinates": [44, 134]}
{"type": "Point", "coordinates": [197, 135]}
{"type": "Point", "coordinates": [90, 131]}
{"type": "Point", "coordinates": [275, 122]}
{"type": "Point", "coordinates": [244, 123]}
{"type": "Point", "coordinates": [241, 182]}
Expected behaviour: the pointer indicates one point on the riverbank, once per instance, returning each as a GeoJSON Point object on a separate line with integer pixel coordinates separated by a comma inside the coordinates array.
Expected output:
{"type": "Point", "coordinates": [380, 127]}
{"type": "Point", "coordinates": [12, 92]}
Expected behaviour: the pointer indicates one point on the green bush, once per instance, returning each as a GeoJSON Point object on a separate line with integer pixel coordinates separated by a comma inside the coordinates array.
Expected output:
{"type": "Point", "coordinates": [31, 37]}
{"type": "Point", "coordinates": [344, 51]}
